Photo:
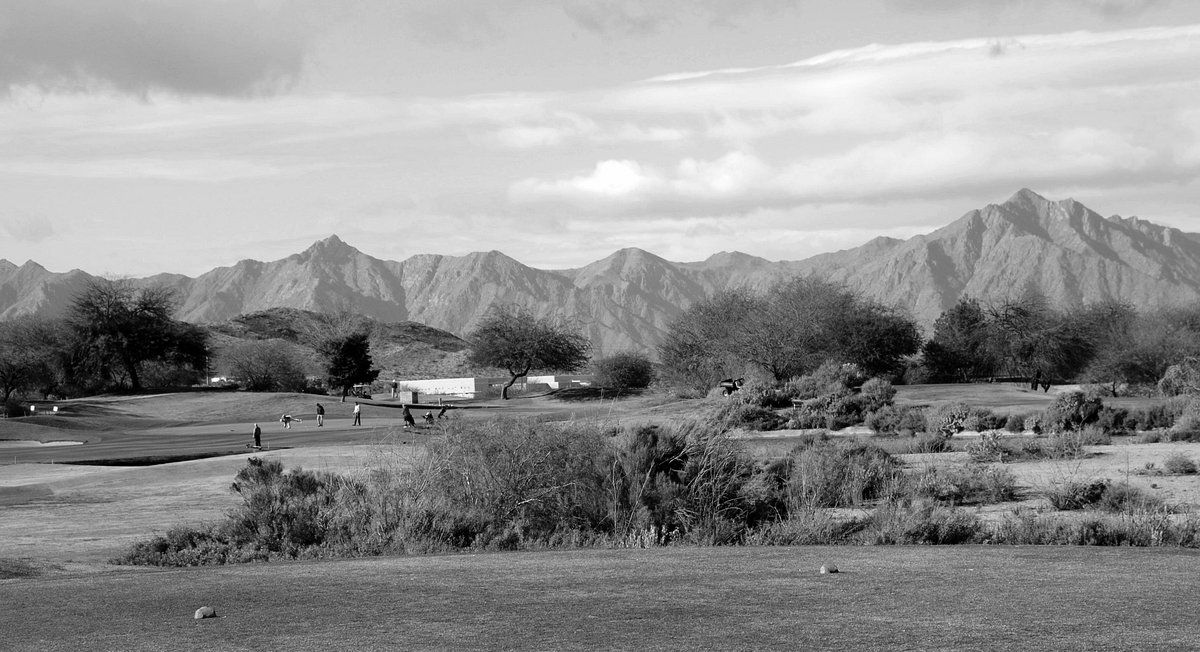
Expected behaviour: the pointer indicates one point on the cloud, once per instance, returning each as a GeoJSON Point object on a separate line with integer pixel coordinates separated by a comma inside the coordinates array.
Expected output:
{"type": "Point", "coordinates": [30, 229]}
{"type": "Point", "coordinates": [1103, 7]}
{"type": "Point", "coordinates": [878, 123]}
{"type": "Point", "coordinates": [217, 47]}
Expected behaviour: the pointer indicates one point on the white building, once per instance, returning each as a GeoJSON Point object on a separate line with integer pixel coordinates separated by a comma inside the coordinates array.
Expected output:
{"type": "Point", "coordinates": [483, 384]}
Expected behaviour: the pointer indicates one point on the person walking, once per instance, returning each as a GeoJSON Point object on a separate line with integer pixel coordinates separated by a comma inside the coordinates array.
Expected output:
{"type": "Point", "coordinates": [257, 436]}
{"type": "Point", "coordinates": [408, 418]}
{"type": "Point", "coordinates": [320, 415]}
{"type": "Point", "coordinates": [395, 386]}
{"type": "Point", "coordinates": [357, 414]}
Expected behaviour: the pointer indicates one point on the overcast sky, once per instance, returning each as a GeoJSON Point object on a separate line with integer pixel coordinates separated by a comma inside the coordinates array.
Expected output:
{"type": "Point", "coordinates": [143, 136]}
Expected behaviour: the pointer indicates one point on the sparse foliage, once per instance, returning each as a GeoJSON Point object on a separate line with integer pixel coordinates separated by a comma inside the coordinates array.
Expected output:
{"type": "Point", "coordinates": [512, 339]}
{"type": "Point", "coordinates": [119, 327]}
{"type": "Point", "coordinates": [265, 366]}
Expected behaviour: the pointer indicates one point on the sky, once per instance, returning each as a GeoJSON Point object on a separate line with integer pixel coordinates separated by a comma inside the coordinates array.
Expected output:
{"type": "Point", "coordinates": [147, 136]}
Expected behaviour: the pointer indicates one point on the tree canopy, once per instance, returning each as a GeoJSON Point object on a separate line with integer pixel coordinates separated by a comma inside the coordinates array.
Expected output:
{"type": "Point", "coordinates": [787, 331]}
{"type": "Point", "coordinates": [511, 338]}
{"type": "Point", "coordinates": [119, 327]}
{"type": "Point", "coordinates": [348, 361]}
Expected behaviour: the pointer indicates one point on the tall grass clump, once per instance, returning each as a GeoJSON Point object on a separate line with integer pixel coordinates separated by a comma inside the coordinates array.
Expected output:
{"type": "Point", "coordinates": [848, 474]}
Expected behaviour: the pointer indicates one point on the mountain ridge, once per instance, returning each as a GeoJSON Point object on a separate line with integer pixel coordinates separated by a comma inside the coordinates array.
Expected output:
{"type": "Point", "coordinates": [628, 299]}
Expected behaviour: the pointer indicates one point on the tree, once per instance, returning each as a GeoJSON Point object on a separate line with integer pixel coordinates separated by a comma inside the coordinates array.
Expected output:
{"type": "Point", "coordinates": [512, 339]}
{"type": "Point", "coordinates": [958, 350]}
{"type": "Point", "coordinates": [120, 327]}
{"type": "Point", "coordinates": [264, 366]}
{"type": "Point", "coordinates": [348, 361]}
{"type": "Point", "coordinates": [697, 350]}
{"type": "Point", "coordinates": [28, 350]}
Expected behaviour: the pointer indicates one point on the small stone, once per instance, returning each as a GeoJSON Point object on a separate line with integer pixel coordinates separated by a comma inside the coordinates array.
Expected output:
{"type": "Point", "coordinates": [828, 568]}
{"type": "Point", "coordinates": [205, 612]}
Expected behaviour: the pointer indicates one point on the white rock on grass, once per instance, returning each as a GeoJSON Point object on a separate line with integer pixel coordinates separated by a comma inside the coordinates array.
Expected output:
{"type": "Point", "coordinates": [828, 568]}
{"type": "Point", "coordinates": [205, 612]}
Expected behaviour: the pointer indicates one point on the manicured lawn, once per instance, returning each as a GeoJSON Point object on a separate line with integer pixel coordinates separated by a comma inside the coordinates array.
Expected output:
{"type": "Point", "coordinates": [952, 598]}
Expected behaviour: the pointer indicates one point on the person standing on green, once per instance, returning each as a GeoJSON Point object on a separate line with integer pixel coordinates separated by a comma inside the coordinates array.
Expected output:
{"type": "Point", "coordinates": [320, 415]}
{"type": "Point", "coordinates": [257, 436]}
{"type": "Point", "coordinates": [357, 414]}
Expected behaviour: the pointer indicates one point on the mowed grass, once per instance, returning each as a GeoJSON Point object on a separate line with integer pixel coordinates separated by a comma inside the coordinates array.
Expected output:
{"type": "Point", "coordinates": [884, 598]}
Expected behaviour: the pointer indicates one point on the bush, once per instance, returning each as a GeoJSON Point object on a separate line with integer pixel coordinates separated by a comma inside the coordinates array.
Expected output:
{"type": "Point", "coordinates": [829, 378]}
{"type": "Point", "coordinates": [1124, 497]}
{"type": "Point", "coordinates": [1179, 464]}
{"type": "Point", "coordinates": [841, 475]}
{"type": "Point", "coordinates": [875, 394]}
{"type": "Point", "coordinates": [970, 484]}
{"type": "Point", "coordinates": [922, 524]}
{"type": "Point", "coordinates": [931, 443]}
{"type": "Point", "coordinates": [1014, 423]}
{"type": "Point", "coordinates": [1071, 411]}
{"type": "Point", "coordinates": [1076, 495]}
{"type": "Point", "coordinates": [893, 420]}
{"type": "Point", "coordinates": [1152, 528]}
{"type": "Point", "coordinates": [762, 394]}
{"type": "Point", "coordinates": [733, 414]}
{"type": "Point", "coordinates": [626, 370]}
{"type": "Point", "coordinates": [947, 419]}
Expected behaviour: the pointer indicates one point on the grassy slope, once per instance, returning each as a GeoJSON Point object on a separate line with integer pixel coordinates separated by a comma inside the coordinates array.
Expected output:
{"type": "Point", "coordinates": [955, 598]}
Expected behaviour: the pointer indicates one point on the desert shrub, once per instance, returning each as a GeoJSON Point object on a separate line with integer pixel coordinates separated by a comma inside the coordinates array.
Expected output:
{"type": "Point", "coordinates": [626, 370]}
{"type": "Point", "coordinates": [1152, 437]}
{"type": "Point", "coordinates": [930, 443]}
{"type": "Point", "coordinates": [876, 393]}
{"type": "Point", "coordinates": [1076, 495]}
{"type": "Point", "coordinates": [1148, 528]}
{"type": "Point", "coordinates": [990, 448]}
{"type": "Point", "coordinates": [1014, 423]}
{"type": "Point", "coordinates": [926, 524]}
{"type": "Point", "coordinates": [969, 484]}
{"type": "Point", "coordinates": [798, 420]}
{"type": "Point", "coordinates": [833, 411]}
{"type": "Point", "coordinates": [813, 527]}
{"type": "Point", "coordinates": [1157, 415]}
{"type": "Point", "coordinates": [1034, 423]}
{"type": "Point", "coordinates": [762, 393]}
{"type": "Point", "coordinates": [1179, 464]}
{"type": "Point", "coordinates": [1124, 497]}
{"type": "Point", "coordinates": [1112, 420]}
{"type": "Point", "coordinates": [735, 414]}
{"type": "Point", "coordinates": [829, 378]}
{"type": "Point", "coordinates": [947, 419]}
{"type": "Point", "coordinates": [893, 420]}
{"type": "Point", "coordinates": [1071, 411]}
{"type": "Point", "coordinates": [841, 475]}
{"type": "Point", "coordinates": [511, 478]}
{"type": "Point", "coordinates": [184, 546]}
{"type": "Point", "coordinates": [981, 419]}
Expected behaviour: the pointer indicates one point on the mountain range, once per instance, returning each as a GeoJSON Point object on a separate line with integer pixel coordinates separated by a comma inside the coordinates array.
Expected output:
{"type": "Point", "coordinates": [627, 300]}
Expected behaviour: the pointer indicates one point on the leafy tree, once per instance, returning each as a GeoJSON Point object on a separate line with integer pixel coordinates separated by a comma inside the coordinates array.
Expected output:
{"type": "Point", "coordinates": [348, 361]}
{"type": "Point", "coordinates": [697, 350]}
{"type": "Point", "coordinates": [958, 350]}
{"type": "Point", "coordinates": [265, 366]}
{"type": "Point", "coordinates": [119, 327]}
{"type": "Point", "coordinates": [28, 349]}
{"type": "Point", "coordinates": [624, 371]}
{"type": "Point", "coordinates": [791, 329]}
{"type": "Point", "coordinates": [1028, 336]}
{"type": "Point", "coordinates": [513, 339]}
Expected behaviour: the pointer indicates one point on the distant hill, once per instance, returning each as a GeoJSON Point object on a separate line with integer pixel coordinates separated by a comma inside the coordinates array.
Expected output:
{"type": "Point", "coordinates": [398, 349]}
{"type": "Point", "coordinates": [627, 300]}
